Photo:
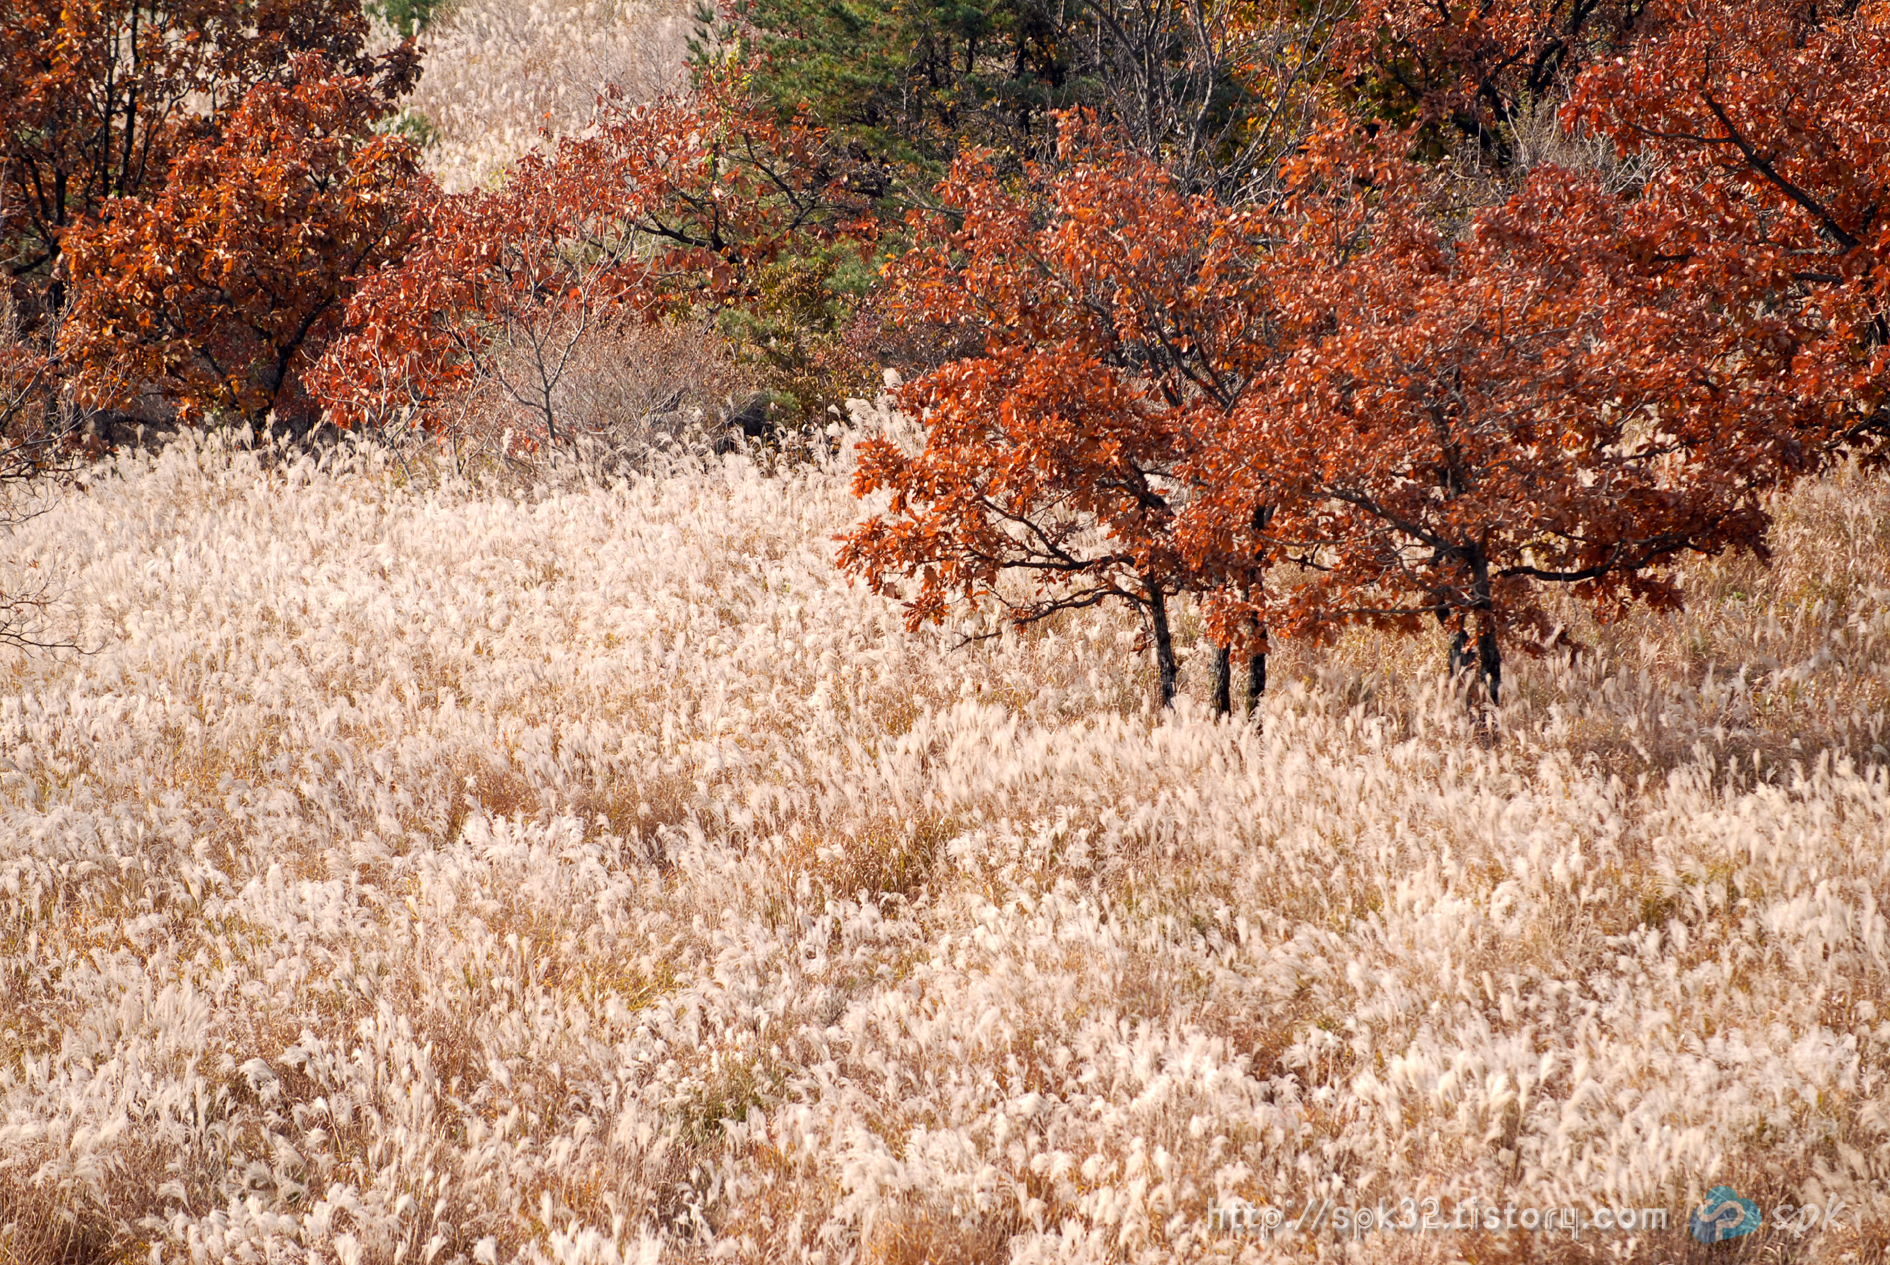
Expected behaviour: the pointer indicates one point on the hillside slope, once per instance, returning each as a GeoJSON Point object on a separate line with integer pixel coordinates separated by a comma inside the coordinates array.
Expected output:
{"type": "Point", "coordinates": [414, 873]}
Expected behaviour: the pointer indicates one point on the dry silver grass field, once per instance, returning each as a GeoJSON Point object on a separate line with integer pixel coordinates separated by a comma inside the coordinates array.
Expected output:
{"type": "Point", "coordinates": [501, 75]}
{"type": "Point", "coordinates": [411, 873]}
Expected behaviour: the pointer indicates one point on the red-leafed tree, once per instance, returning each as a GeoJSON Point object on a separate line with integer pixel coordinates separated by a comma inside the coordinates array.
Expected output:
{"type": "Point", "coordinates": [1117, 324]}
{"type": "Point", "coordinates": [1437, 419]}
{"type": "Point", "coordinates": [101, 96]}
{"type": "Point", "coordinates": [1766, 125]}
{"type": "Point", "coordinates": [222, 292]}
{"type": "Point", "coordinates": [665, 208]}
{"type": "Point", "coordinates": [1531, 405]}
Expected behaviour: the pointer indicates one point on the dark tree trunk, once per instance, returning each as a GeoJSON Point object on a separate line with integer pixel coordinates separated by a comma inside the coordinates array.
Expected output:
{"type": "Point", "coordinates": [1164, 642]}
{"type": "Point", "coordinates": [1490, 660]}
{"type": "Point", "coordinates": [1486, 661]}
{"type": "Point", "coordinates": [1459, 654]}
{"type": "Point", "coordinates": [1489, 657]}
{"type": "Point", "coordinates": [1224, 679]}
{"type": "Point", "coordinates": [1257, 663]}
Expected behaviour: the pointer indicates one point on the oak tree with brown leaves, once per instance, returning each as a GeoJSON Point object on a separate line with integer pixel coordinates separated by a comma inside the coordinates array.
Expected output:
{"type": "Point", "coordinates": [1117, 324]}
{"type": "Point", "coordinates": [1482, 418]}
{"type": "Point", "coordinates": [223, 291]}
{"type": "Point", "coordinates": [101, 96]}
{"type": "Point", "coordinates": [1766, 127]}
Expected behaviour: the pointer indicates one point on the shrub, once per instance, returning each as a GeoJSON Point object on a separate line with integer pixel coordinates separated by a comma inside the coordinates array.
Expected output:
{"type": "Point", "coordinates": [629, 389]}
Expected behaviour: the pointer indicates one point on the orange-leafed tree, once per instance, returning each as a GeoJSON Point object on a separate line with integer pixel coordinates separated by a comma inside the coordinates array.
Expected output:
{"type": "Point", "coordinates": [1765, 125]}
{"type": "Point", "coordinates": [222, 292]}
{"type": "Point", "coordinates": [1480, 419]}
{"type": "Point", "coordinates": [101, 96]}
{"type": "Point", "coordinates": [1116, 323]}
{"type": "Point", "coordinates": [672, 207]}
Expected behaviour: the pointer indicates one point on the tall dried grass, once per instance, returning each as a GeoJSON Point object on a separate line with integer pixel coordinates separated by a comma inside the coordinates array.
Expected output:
{"type": "Point", "coordinates": [420, 872]}
{"type": "Point", "coordinates": [500, 74]}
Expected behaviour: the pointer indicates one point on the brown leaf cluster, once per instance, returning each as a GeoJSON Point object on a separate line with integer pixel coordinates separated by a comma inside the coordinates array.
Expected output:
{"type": "Point", "coordinates": [221, 292]}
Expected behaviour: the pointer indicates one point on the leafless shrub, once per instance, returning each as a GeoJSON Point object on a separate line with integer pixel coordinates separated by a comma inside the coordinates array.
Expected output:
{"type": "Point", "coordinates": [611, 393]}
{"type": "Point", "coordinates": [1170, 68]}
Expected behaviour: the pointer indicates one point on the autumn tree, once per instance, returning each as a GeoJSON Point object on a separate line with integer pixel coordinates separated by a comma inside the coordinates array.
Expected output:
{"type": "Point", "coordinates": [1215, 92]}
{"type": "Point", "coordinates": [1483, 418]}
{"type": "Point", "coordinates": [491, 270]}
{"type": "Point", "coordinates": [223, 291]}
{"type": "Point", "coordinates": [1116, 323]}
{"type": "Point", "coordinates": [1477, 71]}
{"type": "Point", "coordinates": [102, 96]}
{"type": "Point", "coordinates": [768, 225]}
{"type": "Point", "coordinates": [1766, 127]}
{"type": "Point", "coordinates": [1448, 413]}
{"type": "Point", "coordinates": [1599, 377]}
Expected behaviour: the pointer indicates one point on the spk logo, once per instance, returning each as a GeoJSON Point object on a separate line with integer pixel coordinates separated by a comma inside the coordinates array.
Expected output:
{"type": "Point", "coordinates": [1723, 1215]}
